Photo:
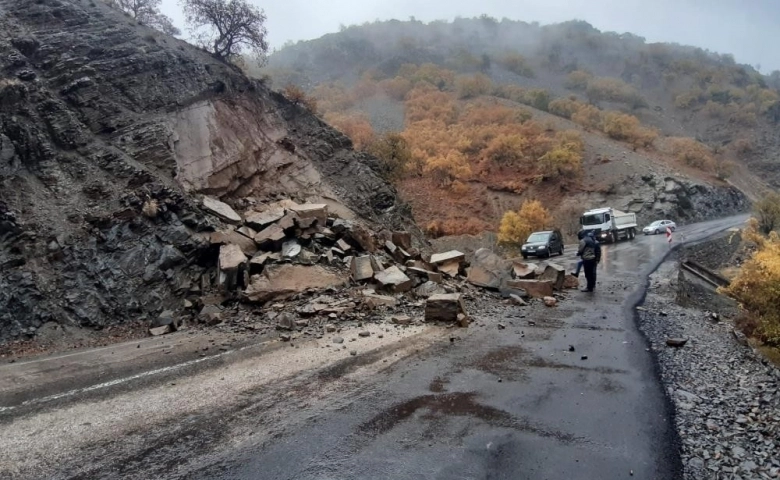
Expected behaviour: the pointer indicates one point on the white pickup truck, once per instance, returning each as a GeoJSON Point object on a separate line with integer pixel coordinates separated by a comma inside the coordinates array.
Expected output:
{"type": "Point", "coordinates": [609, 225]}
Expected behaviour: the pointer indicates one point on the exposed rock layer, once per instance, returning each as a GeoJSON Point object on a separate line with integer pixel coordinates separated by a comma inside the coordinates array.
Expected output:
{"type": "Point", "coordinates": [107, 131]}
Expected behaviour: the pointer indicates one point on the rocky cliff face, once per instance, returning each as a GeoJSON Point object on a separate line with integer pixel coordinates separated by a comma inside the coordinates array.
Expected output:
{"type": "Point", "coordinates": [654, 197]}
{"type": "Point", "coordinates": [108, 133]}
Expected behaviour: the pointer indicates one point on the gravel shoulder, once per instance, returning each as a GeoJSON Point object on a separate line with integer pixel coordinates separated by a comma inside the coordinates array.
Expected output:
{"type": "Point", "coordinates": [726, 397]}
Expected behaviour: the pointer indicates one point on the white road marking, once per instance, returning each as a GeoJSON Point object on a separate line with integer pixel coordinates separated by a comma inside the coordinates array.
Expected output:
{"type": "Point", "coordinates": [57, 357]}
{"type": "Point", "coordinates": [119, 381]}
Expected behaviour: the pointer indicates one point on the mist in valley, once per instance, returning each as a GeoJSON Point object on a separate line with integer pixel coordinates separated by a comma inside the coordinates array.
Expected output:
{"type": "Point", "coordinates": [743, 29]}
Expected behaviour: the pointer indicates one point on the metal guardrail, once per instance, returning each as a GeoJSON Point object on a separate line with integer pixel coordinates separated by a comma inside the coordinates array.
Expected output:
{"type": "Point", "coordinates": [705, 274]}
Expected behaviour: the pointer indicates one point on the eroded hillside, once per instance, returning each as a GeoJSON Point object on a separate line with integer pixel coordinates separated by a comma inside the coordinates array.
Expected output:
{"type": "Point", "coordinates": [109, 131]}
{"type": "Point", "coordinates": [663, 112]}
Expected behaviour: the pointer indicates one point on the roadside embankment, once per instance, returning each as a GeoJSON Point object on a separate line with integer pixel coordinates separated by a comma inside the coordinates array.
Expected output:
{"type": "Point", "coordinates": [726, 397]}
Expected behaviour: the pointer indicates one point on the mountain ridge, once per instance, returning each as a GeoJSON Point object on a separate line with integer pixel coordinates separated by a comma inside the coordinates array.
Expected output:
{"type": "Point", "coordinates": [362, 76]}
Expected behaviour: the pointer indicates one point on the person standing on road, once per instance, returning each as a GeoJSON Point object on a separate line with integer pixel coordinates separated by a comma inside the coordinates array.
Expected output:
{"type": "Point", "coordinates": [590, 253]}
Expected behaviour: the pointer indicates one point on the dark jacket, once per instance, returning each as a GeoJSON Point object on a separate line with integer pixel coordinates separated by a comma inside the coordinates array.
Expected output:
{"type": "Point", "coordinates": [589, 249]}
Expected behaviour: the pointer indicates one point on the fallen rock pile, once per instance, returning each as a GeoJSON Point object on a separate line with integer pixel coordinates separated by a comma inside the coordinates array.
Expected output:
{"type": "Point", "coordinates": [298, 267]}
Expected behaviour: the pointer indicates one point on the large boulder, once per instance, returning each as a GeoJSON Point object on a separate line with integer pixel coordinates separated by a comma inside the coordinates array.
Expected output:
{"type": "Point", "coordinates": [313, 211]}
{"type": "Point", "coordinates": [524, 270]}
{"type": "Point", "coordinates": [446, 307]}
{"type": "Point", "coordinates": [426, 275]}
{"type": "Point", "coordinates": [452, 255]}
{"type": "Point", "coordinates": [361, 268]}
{"type": "Point", "coordinates": [488, 270]}
{"type": "Point", "coordinates": [372, 300]}
{"type": "Point", "coordinates": [402, 239]}
{"type": "Point", "coordinates": [261, 219]}
{"type": "Point", "coordinates": [554, 273]}
{"type": "Point", "coordinates": [570, 281]}
{"type": "Point", "coordinates": [227, 237]}
{"type": "Point", "coordinates": [221, 210]}
{"type": "Point", "coordinates": [282, 281]}
{"type": "Point", "coordinates": [429, 289]}
{"type": "Point", "coordinates": [362, 236]}
{"type": "Point", "coordinates": [271, 235]}
{"type": "Point", "coordinates": [534, 288]}
{"type": "Point", "coordinates": [394, 279]}
{"type": "Point", "coordinates": [449, 263]}
{"type": "Point", "coordinates": [231, 263]}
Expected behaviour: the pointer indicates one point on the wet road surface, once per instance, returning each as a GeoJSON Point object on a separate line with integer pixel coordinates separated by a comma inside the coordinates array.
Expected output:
{"type": "Point", "coordinates": [568, 392]}
{"type": "Point", "coordinates": [513, 403]}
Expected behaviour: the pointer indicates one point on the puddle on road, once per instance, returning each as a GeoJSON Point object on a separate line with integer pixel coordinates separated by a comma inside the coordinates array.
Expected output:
{"type": "Point", "coordinates": [608, 385]}
{"type": "Point", "coordinates": [598, 328]}
{"type": "Point", "coordinates": [513, 361]}
{"type": "Point", "coordinates": [538, 362]}
{"type": "Point", "coordinates": [505, 362]}
{"type": "Point", "coordinates": [456, 404]}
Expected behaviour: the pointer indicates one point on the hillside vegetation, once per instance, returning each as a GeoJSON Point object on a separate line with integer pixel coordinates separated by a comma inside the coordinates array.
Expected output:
{"type": "Point", "coordinates": [457, 110]}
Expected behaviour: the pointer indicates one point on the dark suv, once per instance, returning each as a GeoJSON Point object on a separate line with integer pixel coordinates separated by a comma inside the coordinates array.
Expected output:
{"type": "Point", "coordinates": [543, 244]}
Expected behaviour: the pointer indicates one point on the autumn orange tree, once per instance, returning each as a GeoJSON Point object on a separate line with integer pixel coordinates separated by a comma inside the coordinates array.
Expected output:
{"type": "Point", "coordinates": [354, 125]}
{"type": "Point", "coordinates": [396, 87]}
{"type": "Point", "coordinates": [692, 153]}
{"type": "Point", "coordinates": [627, 128]}
{"type": "Point", "coordinates": [430, 73]}
{"type": "Point", "coordinates": [447, 167]}
{"type": "Point", "coordinates": [724, 168]}
{"type": "Point", "coordinates": [506, 149]}
{"type": "Point", "coordinates": [565, 107]}
{"type": "Point", "coordinates": [473, 86]}
{"type": "Point", "coordinates": [517, 226]}
{"type": "Point", "coordinates": [428, 103]}
{"type": "Point", "coordinates": [481, 114]}
{"type": "Point", "coordinates": [619, 125]}
{"type": "Point", "coordinates": [333, 98]}
{"type": "Point", "coordinates": [578, 80]}
{"type": "Point", "coordinates": [768, 212]}
{"type": "Point", "coordinates": [538, 98]}
{"type": "Point", "coordinates": [757, 285]}
{"type": "Point", "coordinates": [518, 64]}
{"type": "Point", "coordinates": [588, 116]}
{"type": "Point", "coordinates": [613, 90]}
{"type": "Point", "coordinates": [365, 88]}
{"type": "Point", "coordinates": [565, 158]}
{"type": "Point", "coordinates": [296, 95]}
{"type": "Point", "coordinates": [394, 152]}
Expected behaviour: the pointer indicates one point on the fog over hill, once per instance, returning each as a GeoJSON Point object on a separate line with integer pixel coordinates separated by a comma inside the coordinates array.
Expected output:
{"type": "Point", "coordinates": [498, 112]}
{"type": "Point", "coordinates": [744, 29]}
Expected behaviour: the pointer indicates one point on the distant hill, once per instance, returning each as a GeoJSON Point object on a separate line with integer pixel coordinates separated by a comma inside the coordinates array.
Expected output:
{"type": "Point", "coordinates": [667, 109]}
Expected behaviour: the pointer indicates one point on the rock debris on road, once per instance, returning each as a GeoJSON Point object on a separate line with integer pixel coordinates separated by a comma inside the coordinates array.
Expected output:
{"type": "Point", "coordinates": [562, 392]}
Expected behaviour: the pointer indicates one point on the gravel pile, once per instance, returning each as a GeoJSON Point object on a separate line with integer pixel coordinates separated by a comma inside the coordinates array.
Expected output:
{"type": "Point", "coordinates": [726, 398]}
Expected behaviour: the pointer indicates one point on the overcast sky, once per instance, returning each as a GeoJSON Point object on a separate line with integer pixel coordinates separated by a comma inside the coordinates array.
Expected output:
{"type": "Point", "coordinates": [746, 28]}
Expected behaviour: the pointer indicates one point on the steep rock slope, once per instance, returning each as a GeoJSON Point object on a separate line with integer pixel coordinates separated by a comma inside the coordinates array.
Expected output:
{"type": "Point", "coordinates": [101, 119]}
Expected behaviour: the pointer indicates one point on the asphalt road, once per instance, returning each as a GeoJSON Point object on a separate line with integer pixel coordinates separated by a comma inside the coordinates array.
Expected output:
{"type": "Point", "coordinates": [569, 392]}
